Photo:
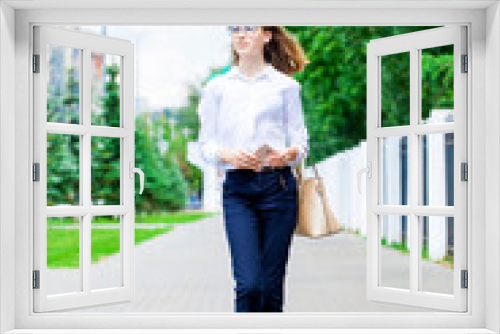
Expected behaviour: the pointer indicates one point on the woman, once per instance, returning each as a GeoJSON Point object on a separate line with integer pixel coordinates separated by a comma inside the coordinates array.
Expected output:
{"type": "Point", "coordinates": [257, 102]}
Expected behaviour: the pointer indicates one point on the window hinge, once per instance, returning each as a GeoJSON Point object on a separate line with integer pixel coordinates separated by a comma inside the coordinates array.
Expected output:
{"type": "Point", "coordinates": [465, 279]}
{"type": "Point", "coordinates": [36, 279]}
{"type": "Point", "coordinates": [465, 172]}
{"type": "Point", "coordinates": [465, 61]}
{"type": "Point", "coordinates": [36, 171]}
{"type": "Point", "coordinates": [36, 63]}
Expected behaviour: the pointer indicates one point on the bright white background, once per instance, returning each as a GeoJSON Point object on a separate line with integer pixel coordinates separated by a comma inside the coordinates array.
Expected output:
{"type": "Point", "coordinates": [484, 188]}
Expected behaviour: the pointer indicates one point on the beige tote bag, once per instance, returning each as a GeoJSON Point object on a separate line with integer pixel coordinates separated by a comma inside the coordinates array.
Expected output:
{"type": "Point", "coordinates": [315, 219]}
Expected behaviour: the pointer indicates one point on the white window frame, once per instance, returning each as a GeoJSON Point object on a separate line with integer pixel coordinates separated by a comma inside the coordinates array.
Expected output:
{"type": "Point", "coordinates": [86, 44]}
{"type": "Point", "coordinates": [483, 127]}
{"type": "Point", "coordinates": [414, 45]}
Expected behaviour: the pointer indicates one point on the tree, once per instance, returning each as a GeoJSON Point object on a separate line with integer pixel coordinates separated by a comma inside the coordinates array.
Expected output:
{"type": "Point", "coordinates": [63, 151]}
{"type": "Point", "coordinates": [187, 118]}
{"type": "Point", "coordinates": [334, 84]}
{"type": "Point", "coordinates": [105, 151]}
{"type": "Point", "coordinates": [164, 186]}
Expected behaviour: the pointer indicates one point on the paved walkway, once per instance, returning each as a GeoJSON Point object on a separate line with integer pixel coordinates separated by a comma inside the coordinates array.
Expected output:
{"type": "Point", "coordinates": [188, 270]}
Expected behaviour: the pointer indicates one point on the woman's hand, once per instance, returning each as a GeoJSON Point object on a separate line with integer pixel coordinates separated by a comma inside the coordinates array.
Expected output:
{"type": "Point", "coordinates": [240, 159]}
{"type": "Point", "coordinates": [281, 158]}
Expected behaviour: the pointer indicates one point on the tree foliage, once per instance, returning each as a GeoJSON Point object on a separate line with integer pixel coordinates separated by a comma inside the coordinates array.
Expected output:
{"type": "Point", "coordinates": [334, 84]}
{"type": "Point", "coordinates": [165, 188]}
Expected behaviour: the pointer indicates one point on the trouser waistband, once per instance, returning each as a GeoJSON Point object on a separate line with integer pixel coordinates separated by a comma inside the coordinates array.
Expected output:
{"type": "Point", "coordinates": [263, 169]}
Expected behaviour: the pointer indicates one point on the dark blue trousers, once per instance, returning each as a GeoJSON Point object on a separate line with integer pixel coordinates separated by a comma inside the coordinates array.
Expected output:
{"type": "Point", "coordinates": [260, 214]}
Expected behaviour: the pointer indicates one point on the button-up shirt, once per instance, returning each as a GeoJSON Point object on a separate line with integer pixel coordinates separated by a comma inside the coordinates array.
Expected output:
{"type": "Point", "coordinates": [241, 112]}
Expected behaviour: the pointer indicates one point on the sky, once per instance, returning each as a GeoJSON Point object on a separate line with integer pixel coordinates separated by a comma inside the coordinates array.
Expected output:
{"type": "Point", "coordinates": [167, 58]}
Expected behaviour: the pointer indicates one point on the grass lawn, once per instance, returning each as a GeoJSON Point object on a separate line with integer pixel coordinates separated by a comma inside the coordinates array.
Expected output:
{"type": "Point", "coordinates": [446, 261]}
{"type": "Point", "coordinates": [172, 218]}
{"type": "Point", "coordinates": [163, 218]}
{"type": "Point", "coordinates": [63, 244]}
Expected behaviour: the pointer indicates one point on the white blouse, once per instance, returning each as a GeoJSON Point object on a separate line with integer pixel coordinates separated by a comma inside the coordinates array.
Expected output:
{"type": "Point", "coordinates": [240, 112]}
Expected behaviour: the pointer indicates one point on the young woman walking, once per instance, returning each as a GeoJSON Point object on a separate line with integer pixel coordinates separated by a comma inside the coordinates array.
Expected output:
{"type": "Point", "coordinates": [256, 103]}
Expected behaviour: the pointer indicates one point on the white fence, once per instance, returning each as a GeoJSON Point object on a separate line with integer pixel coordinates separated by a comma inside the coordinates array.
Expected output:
{"type": "Point", "coordinates": [339, 173]}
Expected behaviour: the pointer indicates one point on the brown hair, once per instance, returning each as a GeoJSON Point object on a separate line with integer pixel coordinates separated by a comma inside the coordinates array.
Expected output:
{"type": "Point", "coordinates": [283, 51]}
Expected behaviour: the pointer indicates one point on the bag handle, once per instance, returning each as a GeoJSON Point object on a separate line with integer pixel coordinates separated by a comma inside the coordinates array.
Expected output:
{"type": "Point", "coordinates": [322, 193]}
{"type": "Point", "coordinates": [300, 171]}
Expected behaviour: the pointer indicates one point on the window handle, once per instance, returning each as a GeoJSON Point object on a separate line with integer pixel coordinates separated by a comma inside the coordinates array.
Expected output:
{"type": "Point", "coordinates": [133, 170]}
{"type": "Point", "coordinates": [368, 170]}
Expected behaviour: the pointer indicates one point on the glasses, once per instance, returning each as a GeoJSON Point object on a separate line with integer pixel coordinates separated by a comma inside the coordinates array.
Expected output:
{"type": "Point", "coordinates": [247, 29]}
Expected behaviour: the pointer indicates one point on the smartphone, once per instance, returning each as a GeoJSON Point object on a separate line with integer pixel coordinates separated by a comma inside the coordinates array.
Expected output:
{"type": "Point", "coordinates": [264, 150]}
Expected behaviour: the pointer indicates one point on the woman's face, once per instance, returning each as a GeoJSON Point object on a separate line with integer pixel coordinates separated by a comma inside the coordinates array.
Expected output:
{"type": "Point", "coordinates": [249, 40]}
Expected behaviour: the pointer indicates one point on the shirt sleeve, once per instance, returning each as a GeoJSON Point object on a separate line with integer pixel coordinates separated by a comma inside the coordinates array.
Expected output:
{"type": "Point", "coordinates": [208, 110]}
{"type": "Point", "coordinates": [296, 128]}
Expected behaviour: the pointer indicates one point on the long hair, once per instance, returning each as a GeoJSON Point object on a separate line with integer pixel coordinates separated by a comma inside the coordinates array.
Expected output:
{"type": "Point", "coordinates": [283, 51]}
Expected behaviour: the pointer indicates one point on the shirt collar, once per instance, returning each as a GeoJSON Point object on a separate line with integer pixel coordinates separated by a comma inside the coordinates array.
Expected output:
{"type": "Point", "coordinates": [235, 72]}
